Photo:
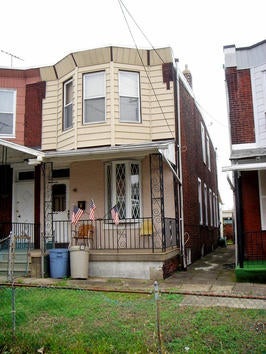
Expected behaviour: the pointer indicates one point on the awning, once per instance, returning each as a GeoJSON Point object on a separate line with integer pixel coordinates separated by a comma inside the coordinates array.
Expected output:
{"type": "Point", "coordinates": [38, 154]}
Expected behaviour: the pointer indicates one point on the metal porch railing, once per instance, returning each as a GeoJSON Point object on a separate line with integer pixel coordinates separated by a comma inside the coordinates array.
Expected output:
{"type": "Point", "coordinates": [130, 234]}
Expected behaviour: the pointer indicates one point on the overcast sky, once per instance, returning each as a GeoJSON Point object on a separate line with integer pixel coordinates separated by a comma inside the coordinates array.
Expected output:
{"type": "Point", "coordinates": [43, 32]}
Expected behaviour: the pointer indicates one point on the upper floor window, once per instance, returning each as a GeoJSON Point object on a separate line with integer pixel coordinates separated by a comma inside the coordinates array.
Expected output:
{"type": "Point", "coordinates": [94, 97]}
{"type": "Point", "coordinates": [200, 202]}
{"type": "Point", "coordinates": [203, 145]}
{"type": "Point", "coordinates": [123, 188]}
{"type": "Point", "coordinates": [129, 96]}
{"type": "Point", "coordinates": [7, 112]}
{"type": "Point", "coordinates": [208, 152]}
{"type": "Point", "coordinates": [211, 207]}
{"type": "Point", "coordinates": [206, 203]}
{"type": "Point", "coordinates": [68, 103]}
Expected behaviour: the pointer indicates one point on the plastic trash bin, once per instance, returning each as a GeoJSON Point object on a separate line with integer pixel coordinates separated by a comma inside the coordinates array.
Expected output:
{"type": "Point", "coordinates": [59, 262]}
{"type": "Point", "coordinates": [79, 262]}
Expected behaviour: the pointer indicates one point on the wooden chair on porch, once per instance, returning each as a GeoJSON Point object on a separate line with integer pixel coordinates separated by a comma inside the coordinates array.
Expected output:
{"type": "Point", "coordinates": [84, 235]}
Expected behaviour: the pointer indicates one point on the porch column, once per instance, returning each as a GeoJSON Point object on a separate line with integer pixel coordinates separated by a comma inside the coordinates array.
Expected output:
{"type": "Point", "coordinates": [157, 199]}
{"type": "Point", "coordinates": [47, 208]}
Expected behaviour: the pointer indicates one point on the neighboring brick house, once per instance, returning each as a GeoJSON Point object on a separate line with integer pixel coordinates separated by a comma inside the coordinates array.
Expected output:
{"type": "Point", "coordinates": [200, 185]}
{"type": "Point", "coordinates": [121, 127]}
{"type": "Point", "coordinates": [245, 74]}
{"type": "Point", "coordinates": [21, 94]}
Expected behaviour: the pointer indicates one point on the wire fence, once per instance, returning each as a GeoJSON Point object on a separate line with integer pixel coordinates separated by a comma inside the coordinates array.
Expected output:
{"type": "Point", "coordinates": [62, 320]}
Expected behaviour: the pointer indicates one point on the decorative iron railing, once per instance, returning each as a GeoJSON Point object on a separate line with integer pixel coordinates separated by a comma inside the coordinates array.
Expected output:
{"type": "Point", "coordinates": [24, 233]}
{"type": "Point", "coordinates": [129, 234]}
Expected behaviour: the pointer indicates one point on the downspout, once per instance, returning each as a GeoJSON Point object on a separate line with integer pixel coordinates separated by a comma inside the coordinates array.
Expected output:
{"type": "Point", "coordinates": [179, 166]}
{"type": "Point", "coordinates": [239, 218]}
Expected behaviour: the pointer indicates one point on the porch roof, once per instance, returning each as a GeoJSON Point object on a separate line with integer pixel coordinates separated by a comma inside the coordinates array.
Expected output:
{"type": "Point", "coordinates": [24, 149]}
{"type": "Point", "coordinates": [114, 151]}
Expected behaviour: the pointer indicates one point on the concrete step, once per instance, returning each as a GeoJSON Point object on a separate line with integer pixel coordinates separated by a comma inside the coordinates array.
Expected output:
{"type": "Point", "coordinates": [21, 262]}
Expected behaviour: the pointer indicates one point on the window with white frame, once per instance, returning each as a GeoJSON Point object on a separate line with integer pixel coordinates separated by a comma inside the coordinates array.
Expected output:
{"type": "Point", "coordinates": [129, 96]}
{"type": "Point", "coordinates": [262, 187]}
{"type": "Point", "coordinates": [206, 203]}
{"type": "Point", "coordinates": [123, 188]}
{"type": "Point", "coordinates": [68, 103]}
{"type": "Point", "coordinates": [94, 97]}
{"type": "Point", "coordinates": [203, 144]}
{"type": "Point", "coordinates": [211, 209]}
{"type": "Point", "coordinates": [214, 210]}
{"type": "Point", "coordinates": [7, 112]}
{"type": "Point", "coordinates": [200, 202]}
{"type": "Point", "coordinates": [208, 152]}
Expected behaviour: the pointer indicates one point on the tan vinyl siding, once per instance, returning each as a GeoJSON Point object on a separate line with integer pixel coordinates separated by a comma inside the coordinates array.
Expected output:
{"type": "Point", "coordinates": [157, 119]}
{"type": "Point", "coordinates": [49, 123]}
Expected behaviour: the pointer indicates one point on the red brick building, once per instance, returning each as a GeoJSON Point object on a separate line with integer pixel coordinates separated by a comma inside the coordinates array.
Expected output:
{"type": "Point", "coordinates": [199, 172]}
{"type": "Point", "coordinates": [21, 94]}
{"type": "Point", "coordinates": [245, 77]}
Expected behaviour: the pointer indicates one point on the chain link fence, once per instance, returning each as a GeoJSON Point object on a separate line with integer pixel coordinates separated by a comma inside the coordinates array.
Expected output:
{"type": "Point", "coordinates": [62, 320]}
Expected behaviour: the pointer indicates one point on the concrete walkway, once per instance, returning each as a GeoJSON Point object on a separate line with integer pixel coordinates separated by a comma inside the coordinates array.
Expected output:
{"type": "Point", "coordinates": [209, 281]}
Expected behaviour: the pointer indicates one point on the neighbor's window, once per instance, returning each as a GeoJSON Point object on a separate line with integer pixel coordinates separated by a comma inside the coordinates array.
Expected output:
{"type": "Point", "coordinates": [262, 187]}
{"type": "Point", "coordinates": [211, 209]}
{"type": "Point", "coordinates": [203, 144]}
{"type": "Point", "coordinates": [68, 103]}
{"type": "Point", "coordinates": [7, 112]}
{"type": "Point", "coordinates": [206, 203]}
{"type": "Point", "coordinates": [123, 188]}
{"type": "Point", "coordinates": [208, 152]}
{"type": "Point", "coordinates": [94, 97]}
{"type": "Point", "coordinates": [200, 202]}
{"type": "Point", "coordinates": [129, 96]}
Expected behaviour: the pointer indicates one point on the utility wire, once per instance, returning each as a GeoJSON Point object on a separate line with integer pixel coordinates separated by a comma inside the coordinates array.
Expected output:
{"type": "Point", "coordinates": [122, 6]}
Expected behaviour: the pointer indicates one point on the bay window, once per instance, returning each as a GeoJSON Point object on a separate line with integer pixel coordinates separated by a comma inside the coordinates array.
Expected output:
{"type": "Point", "coordinates": [129, 96]}
{"type": "Point", "coordinates": [94, 97]}
{"type": "Point", "coordinates": [68, 98]}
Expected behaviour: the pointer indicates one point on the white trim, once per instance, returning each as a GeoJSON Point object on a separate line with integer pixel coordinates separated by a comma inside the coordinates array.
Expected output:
{"type": "Point", "coordinates": [21, 148]}
{"type": "Point", "coordinates": [244, 146]}
{"type": "Point", "coordinates": [245, 167]}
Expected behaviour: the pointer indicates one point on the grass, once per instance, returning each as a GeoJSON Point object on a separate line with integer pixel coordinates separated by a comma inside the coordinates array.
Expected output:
{"type": "Point", "coordinates": [78, 321]}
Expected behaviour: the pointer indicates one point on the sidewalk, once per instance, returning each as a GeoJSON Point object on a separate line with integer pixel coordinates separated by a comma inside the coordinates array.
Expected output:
{"type": "Point", "coordinates": [209, 277]}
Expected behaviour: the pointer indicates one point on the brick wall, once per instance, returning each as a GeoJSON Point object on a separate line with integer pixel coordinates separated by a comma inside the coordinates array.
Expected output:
{"type": "Point", "coordinates": [18, 80]}
{"type": "Point", "coordinates": [33, 114]}
{"type": "Point", "coordinates": [240, 106]}
{"type": "Point", "coordinates": [193, 168]}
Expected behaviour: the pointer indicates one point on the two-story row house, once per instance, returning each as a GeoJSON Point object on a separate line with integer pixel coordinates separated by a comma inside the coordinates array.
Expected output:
{"type": "Point", "coordinates": [245, 74]}
{"type": "Point", "coordinates": [119, 127]}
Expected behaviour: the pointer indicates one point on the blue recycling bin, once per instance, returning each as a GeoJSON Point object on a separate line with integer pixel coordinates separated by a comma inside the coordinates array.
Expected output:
{"type": "Point", "coordinates": [59, 262]}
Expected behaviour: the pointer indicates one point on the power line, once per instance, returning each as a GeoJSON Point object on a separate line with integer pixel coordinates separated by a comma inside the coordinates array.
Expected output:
{"type": "Point", "coordinates": [148, 76]}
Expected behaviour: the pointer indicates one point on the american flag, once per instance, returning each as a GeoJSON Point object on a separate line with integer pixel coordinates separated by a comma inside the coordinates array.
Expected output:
{"type": "Point", "coordinates": [115, 216]}
{"type": "Point", "coordinates": [76, 215]}
{"type": "Point", "coordinates": [92, 208]}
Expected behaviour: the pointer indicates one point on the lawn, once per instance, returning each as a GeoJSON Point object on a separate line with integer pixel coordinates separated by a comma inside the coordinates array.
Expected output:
{"type": "Point", "coordinates": [53, 320]}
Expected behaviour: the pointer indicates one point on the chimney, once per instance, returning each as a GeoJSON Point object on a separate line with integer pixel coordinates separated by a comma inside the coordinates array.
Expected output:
{"type": "Point", "coordinates": [188, 75]}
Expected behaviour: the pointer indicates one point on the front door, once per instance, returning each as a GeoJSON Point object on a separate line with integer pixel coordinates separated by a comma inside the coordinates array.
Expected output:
{"type": "Point", "coordinates": [60, 209]}
{"type": "Point", "coordinates": [23, 210]}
